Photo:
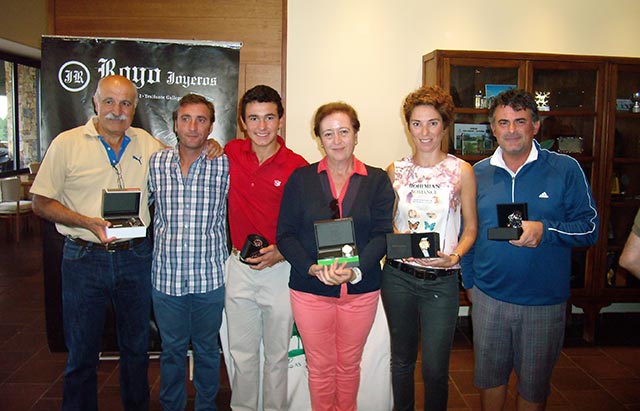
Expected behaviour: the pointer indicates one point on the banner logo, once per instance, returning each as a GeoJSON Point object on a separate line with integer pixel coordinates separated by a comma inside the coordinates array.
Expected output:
{"type": "Point", "coordinates": [161, 71]}
{"type": "Point", "coordinates": [74, 76]}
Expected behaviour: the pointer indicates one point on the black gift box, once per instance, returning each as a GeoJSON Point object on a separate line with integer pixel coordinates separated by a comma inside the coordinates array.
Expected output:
{"type": "Point", "coordinates": [336, 239]}
{"type": "Point", "coordinates": [252, 246]}
{"type": "Point", "coordinates": [510, 217]}
{"type": "Point", "coordinates": [417, 245]}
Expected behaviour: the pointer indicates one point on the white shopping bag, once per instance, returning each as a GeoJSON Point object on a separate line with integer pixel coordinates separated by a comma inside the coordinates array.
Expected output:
{"type": "Point", "coordinates": [375, 377]}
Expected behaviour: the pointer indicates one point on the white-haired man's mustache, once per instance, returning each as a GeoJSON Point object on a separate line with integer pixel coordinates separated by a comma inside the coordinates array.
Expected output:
{"type": "Point", "coordinates": [111, 116]}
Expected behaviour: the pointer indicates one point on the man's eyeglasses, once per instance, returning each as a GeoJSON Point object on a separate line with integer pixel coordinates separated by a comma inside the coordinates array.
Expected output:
{"type": "Point", "coordinates": [335, 209]}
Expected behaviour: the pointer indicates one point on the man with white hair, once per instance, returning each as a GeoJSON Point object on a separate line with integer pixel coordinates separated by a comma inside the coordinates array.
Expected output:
{"type": "Point", "coordinates": [104, 153]}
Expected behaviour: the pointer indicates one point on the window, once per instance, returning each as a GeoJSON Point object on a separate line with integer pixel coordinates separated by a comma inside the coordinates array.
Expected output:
{"type": "Point", "coordinates": [19, 113]}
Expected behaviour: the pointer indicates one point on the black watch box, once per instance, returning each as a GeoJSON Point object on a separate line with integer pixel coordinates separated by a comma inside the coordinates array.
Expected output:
{"type": "Point", "coordinates": [510, 218]}
{"type": "Point", "coordinates": [416, 245]}
{"type": "Point", "coordinates": [251, 247]}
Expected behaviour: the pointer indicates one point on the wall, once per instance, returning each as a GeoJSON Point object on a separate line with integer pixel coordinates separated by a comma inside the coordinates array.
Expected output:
{"type": "Point", "coordinates": [369, 53]}
{"type": "Point", "coordinates": [366, 52]}
{"type": "Point", "coordinates": [23, 21]}
{"type": "Point", "coordinates": [258, 24]}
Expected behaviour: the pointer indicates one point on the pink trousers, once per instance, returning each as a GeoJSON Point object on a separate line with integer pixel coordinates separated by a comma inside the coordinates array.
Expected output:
{"type": "Point", "coordinates": [333, 332]}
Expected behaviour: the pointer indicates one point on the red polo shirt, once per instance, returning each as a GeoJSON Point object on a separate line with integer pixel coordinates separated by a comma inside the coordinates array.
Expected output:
{"type": "Point", "coordinates": [255, 191]}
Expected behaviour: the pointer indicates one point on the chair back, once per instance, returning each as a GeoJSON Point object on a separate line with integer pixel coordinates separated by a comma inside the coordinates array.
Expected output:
{"type": "Point", "coordinates": [34, 166]}
{"type": "Point", "coordinates": [10, 189]}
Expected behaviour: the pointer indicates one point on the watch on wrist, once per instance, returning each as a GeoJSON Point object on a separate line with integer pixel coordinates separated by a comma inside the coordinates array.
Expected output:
{"type": "Point", "coordinates": [358, 273]}
{"type": "Point", "coordinates": [456, 255]}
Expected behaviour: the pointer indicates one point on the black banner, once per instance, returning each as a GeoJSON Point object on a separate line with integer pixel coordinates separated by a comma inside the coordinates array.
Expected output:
{"type": "Point", "coordinates": [162, 71]}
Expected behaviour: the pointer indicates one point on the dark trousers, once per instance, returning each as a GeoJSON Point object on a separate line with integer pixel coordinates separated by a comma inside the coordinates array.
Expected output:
{"type": "Point", "coordinates": [425, 312]}
{"type": "Point", "coordinates": [91, 278]}
{"type": "Point", "coordinates": [196, 318]}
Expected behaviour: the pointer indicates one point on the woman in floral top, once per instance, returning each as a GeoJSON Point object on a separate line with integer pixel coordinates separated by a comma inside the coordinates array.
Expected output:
{"type": "Point", "coordinates": [435, 192]}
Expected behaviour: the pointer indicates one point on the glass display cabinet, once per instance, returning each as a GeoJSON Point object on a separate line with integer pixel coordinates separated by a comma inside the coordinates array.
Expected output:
{"type": "Point", "coordinates": [586, 106]}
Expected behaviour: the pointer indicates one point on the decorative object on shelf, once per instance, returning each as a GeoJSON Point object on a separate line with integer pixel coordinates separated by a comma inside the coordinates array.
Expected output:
{"type": "Point", "coordinates": [542, 100]}
{"type": "Point", "coordinates": [569, 97]}
{"type": "Point", "coordinates": [615, 184]}
{"type": "Point", "coordinates": [547, 144]}
{"type": "Point", "coordinates": [624, 104]}
{"type": "Point", "coordinates": [611, 268]}
{"type": "Point", "coordinates": [570, 145]}
{"type": "Point", "coordinates": [472, 138]}
{"type": "Point", "coordinates": [492, 90]}
{"type": "Point", "coordinates": [616, 277]}
{"type": "Point", "coordinates": [457, 101]}
{"type": "Point", "coordinates": [470, 146]}
{"type": "Point", "coordinates": [479, 100]}
{"type": "Point", "coordinates": [624, 183]}
{"type": "Point", "coordinates": [635, 97]}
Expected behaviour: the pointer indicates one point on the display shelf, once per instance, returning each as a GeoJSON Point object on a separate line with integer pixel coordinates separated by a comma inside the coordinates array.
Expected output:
{"type": "Point", "coordinates": [589, 117]}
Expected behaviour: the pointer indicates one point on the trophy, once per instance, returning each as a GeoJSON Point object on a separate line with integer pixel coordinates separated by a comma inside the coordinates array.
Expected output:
{"type": "Point", "coordinates": [635, 97]}
{"type": "Point", "coordinates": [510, 218]}
{"type": "Point", "coordinates": [479, 101]}
{"type": "Point", "coordinates": [542, 100]}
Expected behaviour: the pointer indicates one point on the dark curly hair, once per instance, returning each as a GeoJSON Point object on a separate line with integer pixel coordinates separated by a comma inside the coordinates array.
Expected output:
{"type": "Point", "coordinates": [430, 96]}
{"type": "Point", "coordinates": [517, 99]}
{"type": "Point", "coordinates": [261, 94]}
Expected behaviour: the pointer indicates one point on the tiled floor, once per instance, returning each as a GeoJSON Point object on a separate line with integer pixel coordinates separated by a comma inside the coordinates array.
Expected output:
{"type": "Point", "coordinates": [601, 377]}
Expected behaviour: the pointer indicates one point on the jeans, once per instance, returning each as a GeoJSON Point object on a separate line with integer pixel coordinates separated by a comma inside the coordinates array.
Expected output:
{"type": "Point", "coordinates": [91, 279]}
{"type": "Point", "coordinates": [420, 308]}
{"type": "Point", "coordinates": [195, 317]}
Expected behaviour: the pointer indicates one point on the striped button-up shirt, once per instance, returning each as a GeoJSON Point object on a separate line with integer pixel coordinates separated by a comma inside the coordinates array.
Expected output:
{"type": "Point", "coordinates": [190, 245]}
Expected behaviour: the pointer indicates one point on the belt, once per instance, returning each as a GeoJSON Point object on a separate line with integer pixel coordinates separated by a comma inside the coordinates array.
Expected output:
{"type": "Point", "coordinates": [423, 273]}
{"type": "Point", "coordinates": [110, 247]}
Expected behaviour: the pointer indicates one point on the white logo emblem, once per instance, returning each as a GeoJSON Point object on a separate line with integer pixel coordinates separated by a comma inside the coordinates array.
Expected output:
{"type": "Point", "coordinates": [74, 76]}
{"type": "Point", "coordinates": [543, 195]}
{"type": "Point", "coordinates": [277, 183]}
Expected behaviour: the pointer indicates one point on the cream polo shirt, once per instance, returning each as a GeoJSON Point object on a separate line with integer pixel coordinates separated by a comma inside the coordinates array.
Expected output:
{"type": "Point", "coordinates": [76, 168]}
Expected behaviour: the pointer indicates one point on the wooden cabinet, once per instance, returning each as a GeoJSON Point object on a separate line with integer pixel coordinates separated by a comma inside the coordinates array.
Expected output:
{"type": "Point", "coordinates": [587, 116]}
{"type": "Point", "coordinates": [621, 187]}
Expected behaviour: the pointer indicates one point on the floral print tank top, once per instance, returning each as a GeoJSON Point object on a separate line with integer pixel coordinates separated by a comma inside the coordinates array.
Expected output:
{"type": "Point", "coordinates": [429, 199]}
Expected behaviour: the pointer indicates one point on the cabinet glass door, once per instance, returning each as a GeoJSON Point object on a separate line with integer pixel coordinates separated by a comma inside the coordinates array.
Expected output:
{"type": "Point", "coordinates": [624, 187]}
{"type": "Point", "coordinates": [472, 84]}
{"type": "Point", "coordinates": [568, 103]}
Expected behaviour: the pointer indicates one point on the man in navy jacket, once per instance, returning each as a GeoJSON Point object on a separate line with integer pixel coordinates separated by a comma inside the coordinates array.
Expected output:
{"type": "Point", "coordinates": [519, 288]}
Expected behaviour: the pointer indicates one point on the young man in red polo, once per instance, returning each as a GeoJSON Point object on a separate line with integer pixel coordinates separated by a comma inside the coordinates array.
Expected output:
{"type": "Point", "coordinates": [257, 295]}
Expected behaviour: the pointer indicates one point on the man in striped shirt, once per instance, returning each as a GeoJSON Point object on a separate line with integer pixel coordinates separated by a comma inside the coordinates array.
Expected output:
{"type": "Point", "coordinates": [189, 254]}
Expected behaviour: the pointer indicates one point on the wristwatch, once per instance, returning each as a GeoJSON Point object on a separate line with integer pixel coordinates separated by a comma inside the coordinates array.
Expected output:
{"type": "Point", "coordinates": [358, 274]}
{"type": "Point", "coordinates": [456, 255]}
